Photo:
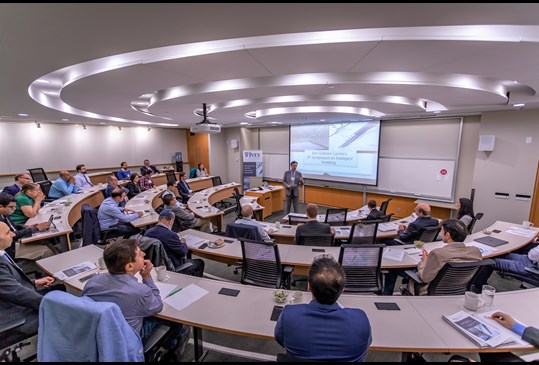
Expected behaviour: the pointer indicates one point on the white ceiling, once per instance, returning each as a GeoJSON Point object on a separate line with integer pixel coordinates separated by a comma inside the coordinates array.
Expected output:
{"type": "Point", "coordinates": [283, 63]}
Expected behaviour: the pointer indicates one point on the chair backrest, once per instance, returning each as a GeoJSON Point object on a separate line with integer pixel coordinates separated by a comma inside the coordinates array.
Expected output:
{"type": "Point", "coordinates": [361, 264]}
{"type": "Point", "coordinates": [238, 230]}
{"type": "Point", "coordinates": [477, 217]}
{"type": "Point", "coordinates": [193, 172]}
{"type": "Point", "coordinates": [316, 239]}
{"type": "Point", "coordinates": [171, 176]}
{"type": "Point", "coordinates": [90, 225]}
{"type": "Point", "coordinates": [363, 232]}
{"type": "Point", "coordinates": [383, 206]}
{"type": "Point", "coordinates": [385, 218]}
{"type": "Point", "coordinates": [78, 329]}
{"type": "Point", "coordinates": [237, 192]}
{"type": "Point", "coordinates": [336, 217]}
{"type": "Point", "coordinates": [429, 234]}
{"type": "Point", "coordinates": [455, 278]}
{"type": "Point", "coordinates": [216, 181]}
{"type": "Point", "coordinates": [237, 198]}
{"type": "Point", "coordinates": [261, 264]}
{"type": "Point", "coordinates": [38, 174]}
{"type": "Point", "coordinates": [155, 251]}
{"type": "Point", "coordinates": [116, 174]}
{"type": "Point", "coordinates": [45, 187]}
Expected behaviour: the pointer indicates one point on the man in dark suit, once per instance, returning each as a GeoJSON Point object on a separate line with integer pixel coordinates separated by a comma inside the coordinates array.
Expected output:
{"type": "Point", "coordinates": [183, 188]}
{"type": "Point", "coordinates": [291, 180]}
{"type": "Point", "coordinates": [175, 248]}
{"type": "Point", "coordinates": [313, 226]}
{"type": "Point", "coordinates": [413, 231]}
{"type": "Point", "coordinates": [147, 167]}
{"type": "Point", "coordinates": [18, 296]}
{"type": "Point", "coordinates": [20, 180]}
{"type": "Point", "coordinates": [374, 213]}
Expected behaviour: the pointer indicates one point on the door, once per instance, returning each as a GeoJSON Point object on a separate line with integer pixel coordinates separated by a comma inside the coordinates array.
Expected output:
{"type": "Point", "coordinates": [198, 149]}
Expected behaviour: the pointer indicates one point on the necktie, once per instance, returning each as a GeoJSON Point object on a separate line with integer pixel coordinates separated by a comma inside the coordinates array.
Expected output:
{"type": "Point", "coordinates": [88, 181]}
{"type": "Point", "coordinates": [8, 222]}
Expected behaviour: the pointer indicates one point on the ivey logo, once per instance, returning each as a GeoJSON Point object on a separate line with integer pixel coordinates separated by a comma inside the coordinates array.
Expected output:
{"type": "Point", "coordinates": [247, 154]}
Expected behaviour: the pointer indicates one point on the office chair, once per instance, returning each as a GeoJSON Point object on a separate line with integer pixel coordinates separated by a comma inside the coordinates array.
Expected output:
{"type": "Point", "coordinates": [363, 232]}
{"type": "Point", "coordinates": [193, 172]}
{"type": "Point", "coordinates": [455, 278]}
{"type": "Point", "coordinates": [116, 174]}
{"type": "Point", "coordinates": [77, 329]}
{"type": "Point", "coordinates": [238, 230]}
{"type": "Point", "coordinates": [237, 198]}
{"type": "Point", "coordinates": [532, 279]}
{"type": "Point", "coordinates": [336, 217]}
{"type": "Point", "coordinates": [216, 181]}
{"type": "Point", "coordinates": [171, 176]}
{"type": "Point", "coordinates": [14, 346]}
{"type": "Point", "coordinates": [429, 234]}
{"type": "Point", "coordinates": [261, 265]}
{"type": "Point", "coordinates": [477, 217]}
{"type": "Point", "coordinates": [361, 264]}
{"type": "Point", "coordinates": [316, 239]}
{"type": "Point", "coordinates": [92, 234]}
{"type": "Point", "coordinates": [383, 206]}
{"type": "Point", "coordinates": [46, 188]}
{"type": "Point", "coordinates": [385, 218]}
{"type": "Point", "coordinates": [155, 252]}
{"type": "Point", "coordinates": [38, 174]}
{"type": "Point", "coordinates": [296, 220]}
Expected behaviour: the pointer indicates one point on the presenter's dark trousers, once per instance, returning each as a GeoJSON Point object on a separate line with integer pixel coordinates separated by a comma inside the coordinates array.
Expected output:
{"type": "Point", "coordinates": [292, 198]}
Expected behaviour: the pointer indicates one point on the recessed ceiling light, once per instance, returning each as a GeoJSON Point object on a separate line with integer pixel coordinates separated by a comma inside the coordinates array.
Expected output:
{"type": "Point", "coordinates": [23, 115]}
{"type": "Point", "coordinates": [322, 120]}
{"type": "Point", "coordinates": [244, 123]}
{"type": "Point", "coordinates": [518, 105]}
{"type": "Point", "coordinates": [43, 81]}
{"type": "Point", "coordinates": [437, 111]}
{"type": "Point", "coordinates": [65, 120]}
{"type": "Point", "coordinates": [102, 123]}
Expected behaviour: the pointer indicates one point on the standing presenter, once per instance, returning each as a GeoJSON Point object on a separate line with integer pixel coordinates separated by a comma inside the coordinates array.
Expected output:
{"type": "Point", "coordinates": [291, 180]}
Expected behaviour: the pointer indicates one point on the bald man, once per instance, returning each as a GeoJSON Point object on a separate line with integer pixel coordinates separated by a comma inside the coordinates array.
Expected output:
{"type": "Point", "coordinates": [64, 185]}
{"type": "Point", "coordinates": [247, 213]}
{"type": "Point", "coordinates": [411, 232]}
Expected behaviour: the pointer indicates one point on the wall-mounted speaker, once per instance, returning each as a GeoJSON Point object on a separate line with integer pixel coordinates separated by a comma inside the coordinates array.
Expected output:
{"type": "Point", "coordinates": [234, 143]}
{"type": "Point", "coordinates": [486, 143]}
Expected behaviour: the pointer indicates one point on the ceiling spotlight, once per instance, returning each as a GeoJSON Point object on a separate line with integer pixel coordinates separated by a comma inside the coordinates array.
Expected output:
{"type": "Point", "coordinates": [119, 127]}
{"type": "Point", "coordinates": [84, 126]}
{"type": "Point", "coordinates": [518, 105]}
{"type": "Point", "coordinates": [38, 125]}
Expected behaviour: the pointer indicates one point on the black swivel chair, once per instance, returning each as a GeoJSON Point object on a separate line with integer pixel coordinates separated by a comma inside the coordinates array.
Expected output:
{"type": "Point", "coordinates": [38, 174]}
{"type": "Point", "coordinates": [237, 230]}
{"type": "Point", "coordinates": [477, 217]}
{"type": "Point", "coordinates": [216, 181]}
{"type": "Point", "coordinates": [171, 176]}
{"type": "Point", "coordinates": [455, 278]}
{"type": "Point", "coordinates": [385, 218]}
{"type": "Point", "coordinates": [363, 232]}
{"type": "Point", "coordinates": [429, 234]}
{"type": "Point", "coordinates": [383, 206]}
{"type": "Point", "coordinates": [296, 220]}
{"type": "Point", "coordinates": [361, 264]}
{"type": "Point", "coordinates": [237, 197]}
{"type": "Point", "coordinates": [531, 279]}
{"type": "Point", "coordinates": [261, 265]}
{"type": "Point", "coordinates": [92, 234]}
{"type": "Point", "coordinates": [316, 239]}
{"type": "Point", "coordinates": [336, 217]}
{"type": "Point", "coordinates": [46, 188]}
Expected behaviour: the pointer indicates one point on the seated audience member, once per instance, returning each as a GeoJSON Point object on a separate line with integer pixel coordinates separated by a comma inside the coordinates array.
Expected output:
{"type": "Point", "coordinates": [201, 171]}
{"type": "Point", "coordinates": [147, 168]}
{"type": "Point", "coordinates": [81, 179]}
{"type": "Point", "coordinates": [28, 203]}
{"type": "Point", "coordinates": [112, 183]}
{"type": "Point", "coordinates": [20, 180]}
{"type": "Point", "coordinates": [133, 187]}
{"type": "Point", "coordinates": [313, 225]}
{"type": "Point", "coordinates": [171, 189]}
{"type": "Point", "coordinates": [185, 219]}
{"type": "Point", "coordinates": [247, 213]}
{"type": "Point", "coordinates": [64, 185]}
{"type": "Point", "coordinates": [30, 251]}
{"type": "Point", "coordinates": [528, 334]}
{"type": "Point", "coordinates": [175, 248]}
{"type": "Point", "coordinates": [123, 172]}
{"type": "Point", "coordinates": [146, 182]}
{"type": "Point", "coordinates": [374, 213]}
{"type": "Point", "coordinates": [137, 301]}
{"type": "Point", "coordinates": [323, 329]}
{"type": "Point", "coordinates": [111, 215]}
{"type": "Point", "coordinates": [183, 188]}
{"type": "Point", "coordinates": [413, 231]}
{"type": "Point", "coordinates": [465, 211]}
{"type": "Point", "coordinates": [19, 298]}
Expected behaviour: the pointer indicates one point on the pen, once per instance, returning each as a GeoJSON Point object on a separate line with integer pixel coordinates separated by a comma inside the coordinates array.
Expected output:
{"type": "Point", "coordinates": [173, 292]}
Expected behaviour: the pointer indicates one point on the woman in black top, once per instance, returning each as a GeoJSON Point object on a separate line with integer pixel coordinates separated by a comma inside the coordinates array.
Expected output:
{"type": "Point", "coordinates": [133, 186]}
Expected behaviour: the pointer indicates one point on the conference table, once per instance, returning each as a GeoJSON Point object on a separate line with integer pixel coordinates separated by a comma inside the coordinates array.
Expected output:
{"type": "Point", "coordinates": [351, 216]}
{"type": "Point", "coordinates": [417, 327]}
{"type": "Point", "coordinates": [394, 257]}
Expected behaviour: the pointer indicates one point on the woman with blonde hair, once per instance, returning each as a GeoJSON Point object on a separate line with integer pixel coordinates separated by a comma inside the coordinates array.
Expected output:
{"type": "Point", "coordinates": [28, 203]}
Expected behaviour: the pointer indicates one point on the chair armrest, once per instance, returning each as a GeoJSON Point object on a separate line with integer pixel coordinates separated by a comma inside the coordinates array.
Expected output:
{"type": "Point", "coordinates": [413, 275]}
{"type": "Point", "coordinates": [532, 270]}
{"type": "Point", "coordinates": [288, 269]}
{"type": "Point", "coordinates": [184, 266]}
{"type": "Point", "coordinates": [155, 337]}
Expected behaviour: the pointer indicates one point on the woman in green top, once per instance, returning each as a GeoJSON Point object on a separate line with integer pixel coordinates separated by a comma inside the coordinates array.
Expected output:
{"type": "Point", "coordinates": [28, 203]}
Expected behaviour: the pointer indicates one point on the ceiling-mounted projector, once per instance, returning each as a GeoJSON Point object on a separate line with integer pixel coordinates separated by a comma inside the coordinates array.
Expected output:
{"type": "Point", "coordinates": [206, 126]}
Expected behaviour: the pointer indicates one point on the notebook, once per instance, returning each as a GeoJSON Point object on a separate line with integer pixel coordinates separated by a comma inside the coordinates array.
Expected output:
{"type": "Point", "coordinates": [490, 241]}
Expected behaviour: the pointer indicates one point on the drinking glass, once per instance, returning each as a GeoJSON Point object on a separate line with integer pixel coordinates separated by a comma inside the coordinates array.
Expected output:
{"type": "Point", "coordinates": [487, 294]}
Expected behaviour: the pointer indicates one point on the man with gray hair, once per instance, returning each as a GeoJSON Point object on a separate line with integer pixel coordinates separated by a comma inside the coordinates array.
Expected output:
{"type": "Point", "coordinates": [247, 213]}
{"type": "Point", "coordinates": [20, 180]}
{"type": "Point", "coordinates": [176, 249]}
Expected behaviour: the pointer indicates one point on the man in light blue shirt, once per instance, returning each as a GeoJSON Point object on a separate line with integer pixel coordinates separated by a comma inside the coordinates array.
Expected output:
{"type": "Point", "coordinates": [124, 173]}
{"type": "Point", "coordinates": [111, 215]}
{"type": "Point", "coordinates": [247, 213]}
{"type": "Point", "coordinates": [81, 179]}
{"type": "Point", "coordinates": [64, 185]}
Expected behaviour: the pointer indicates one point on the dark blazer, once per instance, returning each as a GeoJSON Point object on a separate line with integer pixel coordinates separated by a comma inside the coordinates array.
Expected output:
{"type": "Point", "coordinates": [20, 232]}
{"type": "Point", "coordinates": [531, 335]}
{"type": "Point", "coordinates": [18, 298]}
{"type": "Point", "coordinates": [143, 170]}
{"type": "Point", "coordinates": [412, 232]}
{"type": "Point", "coordinates": [374, 214]}
{"type": "Point", "coordinates": [295, 187]}
{"type": "Point", "coordinates": [12, 189]}
{"type": "Point", "coordinates": [183, 189]}
{"type": "Point", "coordinates": [133, 189]}
{"type": "Point", "coordinates": [176, 250]}
{"type": "Point", "coordinates": [312, 227]}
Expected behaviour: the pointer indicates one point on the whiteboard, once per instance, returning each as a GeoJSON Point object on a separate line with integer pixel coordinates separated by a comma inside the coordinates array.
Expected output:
{"type": "Point", "coordinates": [275, 165]}
{"type": "Point", "coordinates": [417, 177]}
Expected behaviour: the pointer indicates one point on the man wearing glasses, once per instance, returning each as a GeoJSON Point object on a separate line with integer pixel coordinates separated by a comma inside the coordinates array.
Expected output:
{"type": "Point", "coordinates": [20, 180]}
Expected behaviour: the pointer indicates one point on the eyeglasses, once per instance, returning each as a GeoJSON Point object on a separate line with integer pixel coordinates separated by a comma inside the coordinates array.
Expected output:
{"type": "Point", "coordinates": [12, 207]}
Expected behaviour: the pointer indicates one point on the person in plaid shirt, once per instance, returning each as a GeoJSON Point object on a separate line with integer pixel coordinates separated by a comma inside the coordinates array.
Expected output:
{"type": "Point", "coordinates": [146, 181]}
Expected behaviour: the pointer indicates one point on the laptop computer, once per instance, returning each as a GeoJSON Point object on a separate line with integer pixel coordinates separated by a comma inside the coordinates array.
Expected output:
{"type": "Point", "coordinates": [48, 224]}
{"type": "Point", "coordinates": [490, 241]}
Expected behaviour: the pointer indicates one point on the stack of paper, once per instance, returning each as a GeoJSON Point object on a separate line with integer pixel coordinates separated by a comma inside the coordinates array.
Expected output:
{"type": "Point", "coordinates": [396, 254]}
{"type": "Point", "coordinates": [386, 227]}
{"type": "Point", "coordinates": [192, 240]}
{"type": "Point", "coordinates": [525, 232]}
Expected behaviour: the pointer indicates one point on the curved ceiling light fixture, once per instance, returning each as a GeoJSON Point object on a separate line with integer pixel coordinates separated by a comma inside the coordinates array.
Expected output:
{"type": "Point", "coordinates": [46, 90]}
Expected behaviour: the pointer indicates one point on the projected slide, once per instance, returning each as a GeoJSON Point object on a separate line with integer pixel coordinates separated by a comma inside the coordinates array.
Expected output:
{"type": "Point", "coordinates": [346, 152]}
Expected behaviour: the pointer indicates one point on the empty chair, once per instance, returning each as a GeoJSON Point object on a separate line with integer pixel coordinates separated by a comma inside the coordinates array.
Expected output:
{"type": "Point", "coordinates": [316, 239]}
{"type": "Point", "coordinates": [296, 220]}
{"type": "Point", "coordinates": [429, 234]}
{"type": "Point", "coordinates": [92, 234]}
{"type": "Point", "coordinates": [193, 172]}
{"type": "Point", "coordinates": [361, 264]}
{"type": "Point", "coordinates": [38, 174]}
{"type": "Point", "coordinates": [237, 230]}
{"type": "Point", "coordinates": [171, 176]}
{"type": "Point", "coordinates": [261, 265]}
{"type": "Point", "coordinates": [455, 278]}
{"type": "Point", "coordinates": [46, 188]}
{"type": "Point", "coordinates": [363, 232]}
{"type": "Point", "coordinates": [336, 217]}
{"type": "Point", "coordinates": [216, 180]}
{"type": "Point", "coordinates": [477, 217]}
{"type": "Point", "coordinates": [385, 218]}
{"type": "Point", "coordinates": [383, 206]}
